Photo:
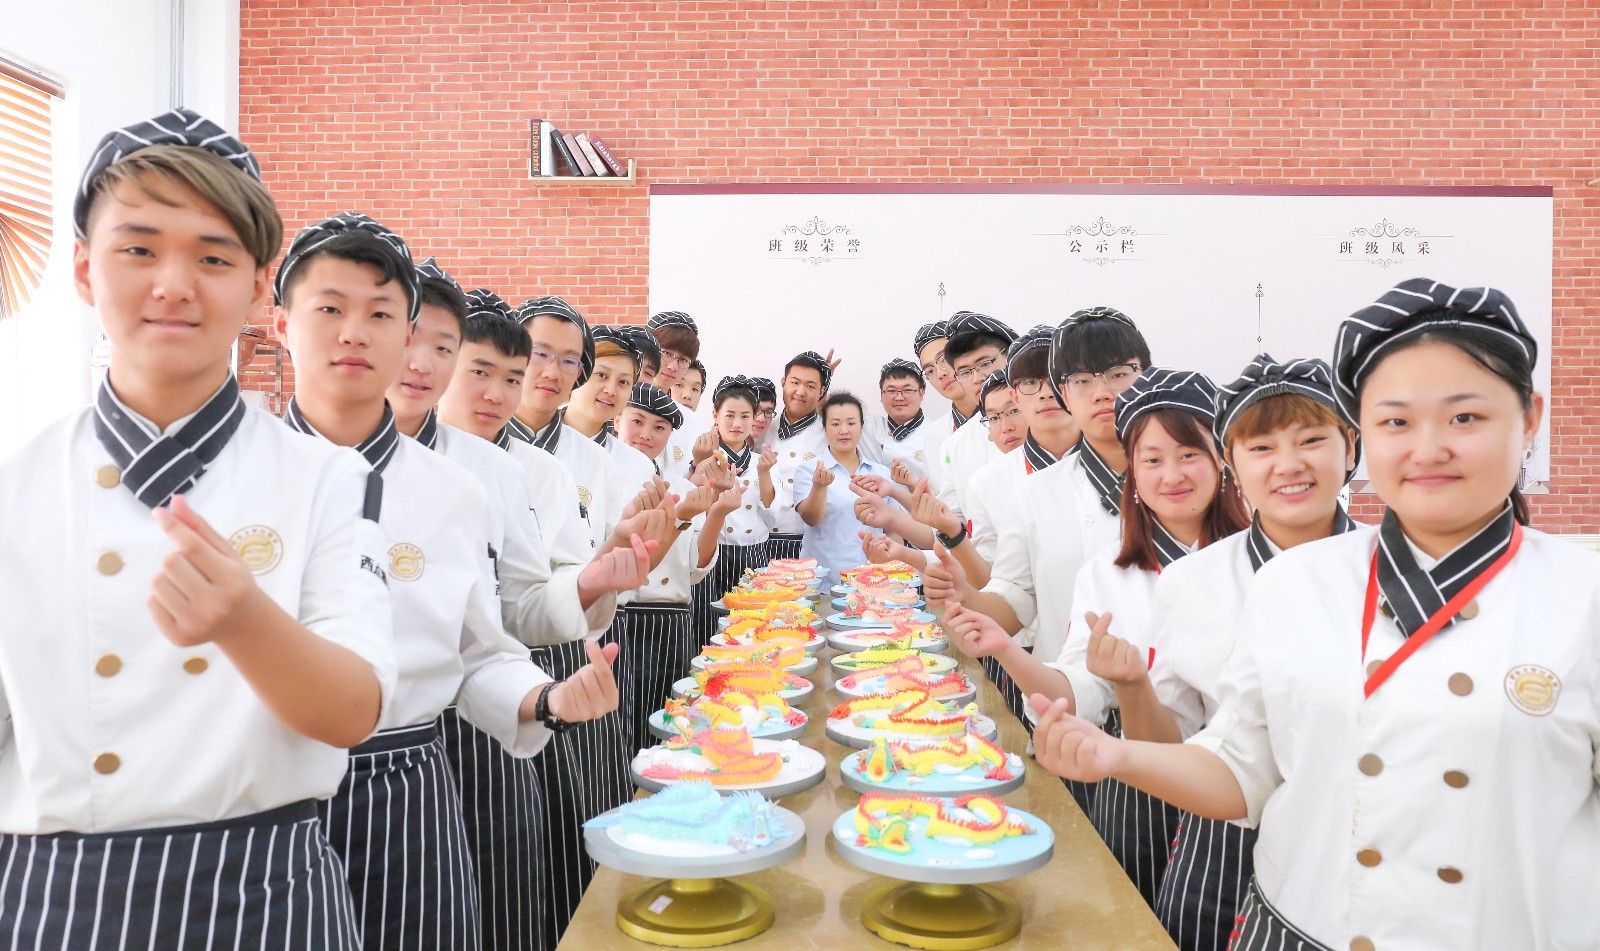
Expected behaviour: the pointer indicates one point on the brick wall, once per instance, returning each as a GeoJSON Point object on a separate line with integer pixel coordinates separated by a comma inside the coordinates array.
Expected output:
{"type": "Point", "coordinates": [417, 114]}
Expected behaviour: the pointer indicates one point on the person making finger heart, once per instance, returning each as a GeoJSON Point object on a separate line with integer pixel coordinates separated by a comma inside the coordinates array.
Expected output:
{"type": "Point", "coordinates": [797, 439]}
{"type": "Point", "coordinates": [742, 543]}
{"type": "Point", "coordinates": [347, 295]}
{"type": "Point", "coordinates": [823, 496]}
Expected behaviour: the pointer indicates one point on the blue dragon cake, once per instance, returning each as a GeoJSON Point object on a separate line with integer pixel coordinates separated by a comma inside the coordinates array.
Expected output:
{"type": "Point", "coordinates": [693, 814]}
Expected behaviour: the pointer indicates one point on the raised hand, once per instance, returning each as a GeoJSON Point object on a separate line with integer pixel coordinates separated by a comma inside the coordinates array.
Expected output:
{"type": "Point", "coordinates": [875, 547]}
{"type": "Point", "coordinates": [832, 361]}
{"type": "Point", "coordinates": [1072, 747]}
{"type": "Point", "coordinates": [871, 509]}
{"type": "Point", "coordinates": [901, 473]}
{"type": "Point", "coordinates": [697, 501]}
{"type": "Point", "coordinates": [876, 484]}
{"type": "Point", "coordinates": [727, 501]}
{"type": "Point", "coordinates": [823, 476]}
{"type": "Point", "coordinates": [768, 459]}
{"type": "Point", "coordinates": [705, 445]}
{"type": "Point", "coordinates": [591, 691]}
{"type": "Point", "coordinates": [944, 579]}
{"type": "Point", "coordinates": [203, 589]}
{"type": "Point", "coordinates": [1111, 657]}
{"type": "Point", "coordinates": [626, 568]}
{"type": "Point", "coordinates": [975, 633]}
{"type": "Point", "coordinates": [928, 510]}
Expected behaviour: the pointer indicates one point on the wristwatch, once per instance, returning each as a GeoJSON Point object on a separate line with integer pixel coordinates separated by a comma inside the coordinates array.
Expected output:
{"type": "Point", "coordinates": [951, 541]}
{"type": "Point", "coordinates": [541, 711]}
{"type": "Point", "coordinates": [684, 526]}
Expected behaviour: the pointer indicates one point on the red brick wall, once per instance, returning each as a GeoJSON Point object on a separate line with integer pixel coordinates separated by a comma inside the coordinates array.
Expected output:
{"type": "Point", "coordinates": [417, 113]}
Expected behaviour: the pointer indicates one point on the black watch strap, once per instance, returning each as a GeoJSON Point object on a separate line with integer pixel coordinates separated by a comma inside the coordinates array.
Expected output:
{"type": "Point", "coordinates": [541, 711]}
{"type": "Point", "coordinates": [951, 541]}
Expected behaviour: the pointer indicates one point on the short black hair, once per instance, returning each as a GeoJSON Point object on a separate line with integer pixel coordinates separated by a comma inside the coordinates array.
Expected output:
{"type": "Point", "coordinates": [679, 339]}
{"type": "Point", "coordinates": [361, 247]}
{"type": "Point", "coordinates": [962, 344]}
{"type": "Point", "coordinates": [499, 331]}
{"type": "Point", "coordinates": [841, 398]}
{"type": "Point", "coordinates": [446, 295]}
{"type": "Point", "coordinates": [811, 362]}
{"type": "Point", "coordinates": [699, 367]}
{"type": "Point", "coordinates": [1033, 363]}
{"type": "Point", "coordinates": [1094, 345]}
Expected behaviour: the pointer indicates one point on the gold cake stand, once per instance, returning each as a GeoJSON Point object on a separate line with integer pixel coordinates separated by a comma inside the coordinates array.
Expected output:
{"type": "Point", "coordinates": [941, 917]}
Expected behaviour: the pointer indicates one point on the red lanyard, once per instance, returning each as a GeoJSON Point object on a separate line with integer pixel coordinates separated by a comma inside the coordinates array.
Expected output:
{"type": "Point", "coordinates": [1435, 623]}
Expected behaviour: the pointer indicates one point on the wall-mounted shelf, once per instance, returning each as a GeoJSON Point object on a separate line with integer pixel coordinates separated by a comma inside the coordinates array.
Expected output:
{"type": "Point", "coordinates": [632, 178]}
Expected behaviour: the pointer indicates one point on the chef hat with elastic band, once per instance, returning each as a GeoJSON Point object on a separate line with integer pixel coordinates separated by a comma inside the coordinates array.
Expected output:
{"type": "Point", "coordinates": [603, 333]}
{"type": "Point", "coordinates": [766, 390]}
{"type": "Point", "coordinates": [553, 306]}
{"type": "Point", "coordinates": [653, 399]}
{"type": "Point", "coordinates": [1414, 307]}
{"type": "Point", "coordinates": [483, 300]}
{"type": "Point", "coordinates": [642, 342]}
{"type": "Point", "coordinates": [672, 318]}
{"type": "Point", "coordinates": [966, 331]}
{"type": "Point", "coordinates": [994, 381]}
{"type": "Point", "coordinates": [735, 382]}
{"type": "Point", "coordinates": [1159, 389]}
{"type": "Point", "coordinates": [344, 233]}
{"type": "Point", "coordinates": [1265, 378]}
{"type": "Point", "coordinates": [436, 286]}
{"type": "Point", "coordinates": [928, 333]}
{"type": "Point", "coordinates": [900, 368]}
{"type": "Point", "coordinates": [812, 359]}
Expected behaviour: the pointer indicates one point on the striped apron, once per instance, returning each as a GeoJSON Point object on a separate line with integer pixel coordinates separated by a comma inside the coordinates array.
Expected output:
{"type": "Point", "coordinates": [1137, 827]}
{"type": "Point", "coordinates": [658, 641]}
{"type": "Point", "coordinates": [503, 812]}
{"type": "Point", "coordinates": [732, 560]}
{"type": "Point", "coordinates": [265, 880]}
{"type": "Point", "coordinates": [1260, 927]}
{"type": "Point", "coordinates": [396, 822]}
{"type": "Point", "coordinates": [582, 773]}
{"type": "Point", "coordinates": [784, 545]}
{"type": "Point", "coordinates": [1205, 882]}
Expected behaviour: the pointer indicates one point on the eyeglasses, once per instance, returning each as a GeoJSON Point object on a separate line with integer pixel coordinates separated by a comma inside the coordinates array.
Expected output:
{"type": "Point", "coordinates": [934, 366]}
{"type": "Point", "coordinates": [766, 413]}
{"type": "Point", "coordinates": [1117, 376]}
{"type": "Point", "coordinates": [1027, 387]}
{"type": "Point", "coordinates": [892, 392]}
{"type": "Point", "coordinates": [980, 370]}
{"type": "Point", "coordinates": [570, 366]}
{"type": "Point", "coordinates": [670, 359]}
{"type": "Point", "coordinates": [1002, 416]}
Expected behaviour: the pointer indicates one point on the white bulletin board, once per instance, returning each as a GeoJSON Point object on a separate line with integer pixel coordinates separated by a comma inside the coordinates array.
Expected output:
{"type": "Point", "coordinates": [1211, 274]}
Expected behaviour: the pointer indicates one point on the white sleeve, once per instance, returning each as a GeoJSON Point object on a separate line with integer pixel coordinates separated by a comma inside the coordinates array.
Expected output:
{"type": "Point", "coordinates": [946, 486]}
{"type": "Point", "coordinates": [1238, 731]}
{"type": "Point", "coordinates": [873, 436]}
{"type": "Point", "coordinates": [536, 606]}
{"type": "Point", "coordinates": [697, 571]}
{"type": "Point", "coordinates": [344, 596]}
{"type": "Point", "coordinates": [566, 537]}
{"type": "Point", "coordinates": [1011, 570]}
{"type": "Point", "coordinates": [498, 674]}
{"type": "Point", "coordinates": [1092, 696]}
{"type": "Point", "coordinates": [980, 522]}
{"type": "Point", "coordinates": [1183, 701]}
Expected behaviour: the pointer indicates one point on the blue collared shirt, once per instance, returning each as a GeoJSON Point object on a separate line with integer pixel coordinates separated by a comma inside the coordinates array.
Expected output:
{"type": "Point", "coordinates": [834, 541]}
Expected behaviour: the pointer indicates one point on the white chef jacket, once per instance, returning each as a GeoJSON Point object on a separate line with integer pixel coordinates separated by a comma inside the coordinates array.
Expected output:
{"type": "Point", "coordinates": [1036, 556]}
{"type": "Point", "coordinates": [674, 579]}
{"type": "Point", "coordinates": [85, 673]}
{"type": "Point", "coordinates": [878, 445]}
{"type": "Point", "coordinates": [677, 458]}
{"type": "Point", "coordinates": [751, 523]}
{"type": "Point", "coordinates": [448, 635]}
{"type": "Point", "coordinates": [634, 471]}
{"type": "Point", "coordinates": [939, 430]}
{"type": "Point", "coordinates": [798, 451]}
{"type": "Point", "coordinates": [567, 537]}
{"type": "Point", "coordinates": [966, 451]}
{"type": "Point", "coordinates": [992, 502]}
{"type": "Point", "coordinates": [1100, 587]}
{"type": "Point", "coordinates": [835, 541]}
{"type": "Point", "coordinates": [1195, 619]}
{"type": "Point", "coordinates": [1476, 757]}
{"type": "Point", "coordinates": [538, 605]}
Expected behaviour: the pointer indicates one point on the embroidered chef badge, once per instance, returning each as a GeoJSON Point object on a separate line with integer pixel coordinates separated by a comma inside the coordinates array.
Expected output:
{"type": "Point", "coordinates": [259, 546]}
{"type": "Point", "coordinates": [1532, 689]}
{"type": "Point", "coordinates": [808, 456]}
{"type": "Point", "coordinates": [584, 497]}
{"type": "Point", "coordinates": [677, 453]}
{"type": "Point", "coordinates": [406, 562]}
{"type": "Point", "coordinates": [918, 456]}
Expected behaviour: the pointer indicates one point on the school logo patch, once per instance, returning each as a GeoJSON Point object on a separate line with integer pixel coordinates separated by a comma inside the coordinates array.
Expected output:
{"type": "Point", "coordinates": [808, 456]}
{"type": "Point", "coordinates": [585, 497]}
{"type": "Point", "coordinates": [919, 456]}
{"type": "Point", "coordinates": [406, 562]}
{"type": "Point", "coordinates": [1533, 689]}
{"type": "Point", "coordinates": [260, 547]}
{"type": "Point", "coordinates": [677, 453]}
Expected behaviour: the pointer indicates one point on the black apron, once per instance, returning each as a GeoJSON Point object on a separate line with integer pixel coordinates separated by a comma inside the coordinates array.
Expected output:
{"type": "Point", "coordinates": [1260, 927]}
{"type": "Point", "coordinates": [658, 641]}
{"type": "Point", "coordinates": [1205, 882]}
{"type": "Point", "coordinates": [1137, 827]}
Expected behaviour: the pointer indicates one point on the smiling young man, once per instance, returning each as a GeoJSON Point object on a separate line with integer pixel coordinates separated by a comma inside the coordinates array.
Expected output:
{"type": "Point", "coordinates": [347, 293]}
{"type": "Point", "coordinates": [679, 339]}
{"type": "Point", "coordinates": [975, 348]}
{"type": "Point", "coordinates": [901, 433]}
{"type": "Point", "coordinates": [799, 438]}
{"type": "Point", "coordinates": [197, 621]}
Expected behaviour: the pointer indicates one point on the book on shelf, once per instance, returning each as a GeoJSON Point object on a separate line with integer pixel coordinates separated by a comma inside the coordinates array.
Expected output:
{"type": "Point", "coordinates": [547, 154]}
{"type": "Point", "coordinates": [610, 161]}
{"type": "Point", "coordinates": [571, 141]}
{"type": "Point", "coordinates": [588, 153]}
{"type": "Point", "coordinates": [560, 144]}
{"type": "Point", "coordinates": [533, 147]}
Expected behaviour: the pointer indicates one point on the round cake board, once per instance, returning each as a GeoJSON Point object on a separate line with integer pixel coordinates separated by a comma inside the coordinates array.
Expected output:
{"type": "Point", "coordinates": [606, 849]}
{"type": "Point", "coordinates": [794, 697]}
{"type": "Point", "coordinates": [841, 603]}
{"type": "Point", "coordinates": [941, 863]}
{"type": "Point", "coordinates": [660, 727]}
{"type": "Point", "coordinates": [804, 769]}
{"type": "Point", "coordinates": [698, 662]}
{"type": "Point", "coordinates": [850, 642]}
{"type": "Point", "coordinates": [935, 663]}
{"type": "Point", "coordinates": [812, 646]}
{"type": "Point", "coordinates": [934, 784]}
{"type": "Point", "coordinates": [838, 622]}
{"type": "Point", "coordinates": [957, 700]}
{"type": "Point", "coordinates": [847, 734]}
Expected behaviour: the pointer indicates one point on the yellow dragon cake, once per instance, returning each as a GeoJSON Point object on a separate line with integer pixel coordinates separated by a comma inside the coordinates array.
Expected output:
{"type": "Point", "coordinates": [883, 820]}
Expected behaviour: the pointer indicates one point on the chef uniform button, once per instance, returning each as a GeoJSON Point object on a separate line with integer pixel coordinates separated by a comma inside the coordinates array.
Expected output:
{"type": "Point", "coordinates": [109, 665]}
{"type": "Point", "coordinates": [1360, 943]}
{"type": "Point", "coordinates": [195, 665]}
{"type": "Point", "coordinates": [1372, 668]}
{"type": "Point", "coordinates": [749, 531]}
{"type": "Point", "coordinates": [791, 482]}
{"type": "Point", "coordinates": [1450, 876]}
{"type": "Point", "coordinates": [791, 455]}
{"type": "Point", "coordinates": [1460, 684]}
{"type": "Point", "coordinates": [1369, 857]}
{"type": "Point", "coordinates": [666, 580]}
{"type": "Point", "coordinates": [108, 477]}
{"type": "Point", "coordinates": [1370, 764]}
{"type": "Point", "coordinates": [107, 763]}
{"type": "Point", "coordinates": [108, 563]}
{"type": "Point", "coordinates": [749, 507]}
{"type": "Point", "coordinates": [1455, 779]}
{"type": "Point", "coordinates": [729, 529]}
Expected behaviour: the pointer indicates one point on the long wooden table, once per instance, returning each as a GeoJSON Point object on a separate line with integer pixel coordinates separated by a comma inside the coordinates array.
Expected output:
{"type": "Point", "coordinates": [1081, 901]}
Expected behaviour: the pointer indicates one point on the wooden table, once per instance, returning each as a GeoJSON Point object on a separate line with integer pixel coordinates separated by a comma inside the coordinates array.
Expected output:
{"type": "Point", "coordinates": [1081, 901]}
